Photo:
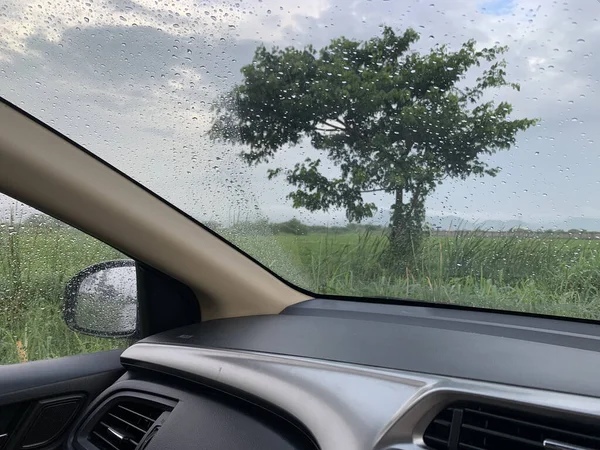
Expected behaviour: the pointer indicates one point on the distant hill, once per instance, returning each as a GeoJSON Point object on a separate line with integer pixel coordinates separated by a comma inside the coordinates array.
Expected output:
{"type": "Point", "coordinates": [572, 223]}
{"type": "Point", "coordinates": [455, 222]}
{"type": "Point", "coordinates": [576, 223]}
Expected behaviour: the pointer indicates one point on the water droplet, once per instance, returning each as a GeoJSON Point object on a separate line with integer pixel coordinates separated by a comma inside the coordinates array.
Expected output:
{"type": "Point", "coordinates": [580, 41]}
{"type": "Point", "coordinates": [87, 19]}
{"type": "Point", "coordinates": [268, 11]}
{"type": "Point", "coordinates": [123, 18]}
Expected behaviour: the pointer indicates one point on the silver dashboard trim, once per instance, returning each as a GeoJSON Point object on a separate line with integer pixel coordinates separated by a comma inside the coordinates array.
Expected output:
{"type": "Point", "coordinates": [345, 405]}
{"type": "Point", "coordinates": [115, 433]}
{"type": "Point", "coordinates": [556, 445]}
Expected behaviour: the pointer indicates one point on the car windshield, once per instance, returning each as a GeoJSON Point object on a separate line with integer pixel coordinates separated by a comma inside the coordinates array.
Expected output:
{"type": "Point", "coordinates": [425, 150]}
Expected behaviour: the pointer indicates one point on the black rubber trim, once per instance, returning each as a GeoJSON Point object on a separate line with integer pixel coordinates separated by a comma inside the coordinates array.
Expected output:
{"type": "Point", "coordinates": [390, 300]}
{"type": "Point", "coordinates": [157, 315]}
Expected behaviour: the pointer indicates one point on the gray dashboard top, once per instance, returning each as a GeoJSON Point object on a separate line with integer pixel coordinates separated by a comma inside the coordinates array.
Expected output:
{"type": "Point", "coordinates": [373, 375]}
{"type": "Point", "coordinates": [344, 405]}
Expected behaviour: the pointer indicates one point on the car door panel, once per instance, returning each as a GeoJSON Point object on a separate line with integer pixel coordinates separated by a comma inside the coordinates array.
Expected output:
{"type": "Point", "coordinates": [39, 400]}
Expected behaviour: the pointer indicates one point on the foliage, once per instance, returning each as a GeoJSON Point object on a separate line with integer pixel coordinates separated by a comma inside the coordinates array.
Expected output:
{"type": "Point", "coordinates": [541, 274]}
{"type": "Point", "coordinates": [293, 226]}
{"type": "Point", "coordinates": [390, 119]}
{"type": "Point", "coordinates": [37, 258]}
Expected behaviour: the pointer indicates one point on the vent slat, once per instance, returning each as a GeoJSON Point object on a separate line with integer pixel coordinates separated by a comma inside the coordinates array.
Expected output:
{"type": "Point", "coordinates": [487, 427]}
{"type": "Point", "coordinates": [508, 437]}
{"type": "Point", "coordinates": [106, 441]}
{"type": "Point", "coordinates": [149, 419]}
{"type": "Point", "coordinates": [534, 425]}
{"type": "Point", "coordinates": [438, 440]}
{"type": "Point", "coordinates": [444, 423]}
{"type": "Point", "coordinates": [130, 418]}
{"type": "Point", "coordinates": [469, 446]}
{"type": "Point", "coordinates": [114, 416]}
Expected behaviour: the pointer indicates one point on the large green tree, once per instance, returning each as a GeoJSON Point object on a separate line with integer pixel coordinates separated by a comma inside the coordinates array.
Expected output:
{"type": "Point", "coordinates": [390, 119]}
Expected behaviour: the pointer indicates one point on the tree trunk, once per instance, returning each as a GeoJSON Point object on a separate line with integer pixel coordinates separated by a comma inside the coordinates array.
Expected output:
{"type": "Point", "coordinates": [396, 219]}
{"type": "Point", "coordinates": [406, 230]}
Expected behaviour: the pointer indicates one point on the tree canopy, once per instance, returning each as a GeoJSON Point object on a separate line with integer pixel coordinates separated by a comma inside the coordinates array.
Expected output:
{"type": "Point", "coordinates": [390, 119]}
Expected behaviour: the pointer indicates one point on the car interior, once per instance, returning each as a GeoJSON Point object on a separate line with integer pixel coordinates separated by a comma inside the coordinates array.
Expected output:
{"type": "Point", "coordinates": [223, 353]}
{"type": "Point", "coordinates": [228, 355]}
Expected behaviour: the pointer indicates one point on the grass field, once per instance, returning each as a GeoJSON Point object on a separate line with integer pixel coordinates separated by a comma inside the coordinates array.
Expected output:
{"type": "Point", "coordinates": [539, 274]}
{"type": "Point", "coordinates": [35, 265]}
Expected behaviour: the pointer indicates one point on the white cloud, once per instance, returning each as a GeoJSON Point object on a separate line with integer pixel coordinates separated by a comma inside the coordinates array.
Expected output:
{"type": "Point", "coordinates": [144, 105]}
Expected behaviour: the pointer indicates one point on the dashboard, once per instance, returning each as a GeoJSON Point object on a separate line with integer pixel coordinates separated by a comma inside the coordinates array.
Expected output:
{"type": "Point", "coordinates": [332, 375]}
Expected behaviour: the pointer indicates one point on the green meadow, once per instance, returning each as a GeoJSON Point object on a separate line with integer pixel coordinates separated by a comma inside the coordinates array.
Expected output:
{"type": "Point", "coordinates": [538, 274]}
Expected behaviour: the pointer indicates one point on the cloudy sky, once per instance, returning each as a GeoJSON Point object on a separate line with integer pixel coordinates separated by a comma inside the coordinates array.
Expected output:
{"type": "Point", "coordinates": [133, 80]}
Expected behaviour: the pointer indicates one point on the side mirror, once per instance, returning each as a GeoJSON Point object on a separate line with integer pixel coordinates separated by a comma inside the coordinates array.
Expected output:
{"type": "Point", "coordinates": [101, 300]}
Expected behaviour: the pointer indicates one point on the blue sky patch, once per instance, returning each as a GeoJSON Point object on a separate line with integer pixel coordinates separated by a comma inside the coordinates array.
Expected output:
{"type": "Point", "coordinates": [497, 7]}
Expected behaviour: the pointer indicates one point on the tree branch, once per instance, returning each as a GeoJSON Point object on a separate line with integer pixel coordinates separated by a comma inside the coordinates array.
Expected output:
{"type": "Point", "coordinates": [408, 147]}
{"type": "Point", "coordinates": [334, 126]}
{"type": "Point", "coordinates": [330, 130]}
{"type": "Point", "coordinates": [372, 190]}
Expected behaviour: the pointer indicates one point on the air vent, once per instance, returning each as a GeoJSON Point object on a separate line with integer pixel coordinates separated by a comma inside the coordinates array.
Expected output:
{"type": "Point", "coordinates": [127, 425]}
{"type": "Point", "coordinates": [472, 426]}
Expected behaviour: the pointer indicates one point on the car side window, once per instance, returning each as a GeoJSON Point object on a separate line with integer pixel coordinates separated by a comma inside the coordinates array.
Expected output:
{"type": "Point", "coordinates": [39, 258]}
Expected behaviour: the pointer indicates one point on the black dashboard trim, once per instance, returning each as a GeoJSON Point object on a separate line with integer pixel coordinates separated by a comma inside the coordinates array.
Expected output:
{"type": "Point", "coordinates": [197, 413]}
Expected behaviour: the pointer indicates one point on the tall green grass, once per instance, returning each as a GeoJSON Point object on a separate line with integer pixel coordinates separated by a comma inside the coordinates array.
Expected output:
{"type": "Point", "coordinates": [35, 264]}
{"type": "Point", "coordinates": [534, 274]}
{"type": "Point", "coordinates": [538, 274]}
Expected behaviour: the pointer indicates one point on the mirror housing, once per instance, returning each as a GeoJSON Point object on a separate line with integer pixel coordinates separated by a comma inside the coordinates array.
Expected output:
{"type": "Point", "coordinates": [101, 300]}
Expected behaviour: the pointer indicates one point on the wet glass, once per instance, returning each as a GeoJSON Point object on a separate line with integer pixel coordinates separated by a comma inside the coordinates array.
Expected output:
{"type": "Point", "coordinates": [106, 301]}
{"type": "Point", "coordinates": [38, 257]}
{"type": "Point", "coordinates": [438, 151]}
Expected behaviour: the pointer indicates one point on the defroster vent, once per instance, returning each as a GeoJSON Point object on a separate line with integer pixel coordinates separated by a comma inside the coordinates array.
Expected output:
{"type": "Point", "coordinates": [127, 425]}
{"type": "Point", "coordinates": [474, 426]}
